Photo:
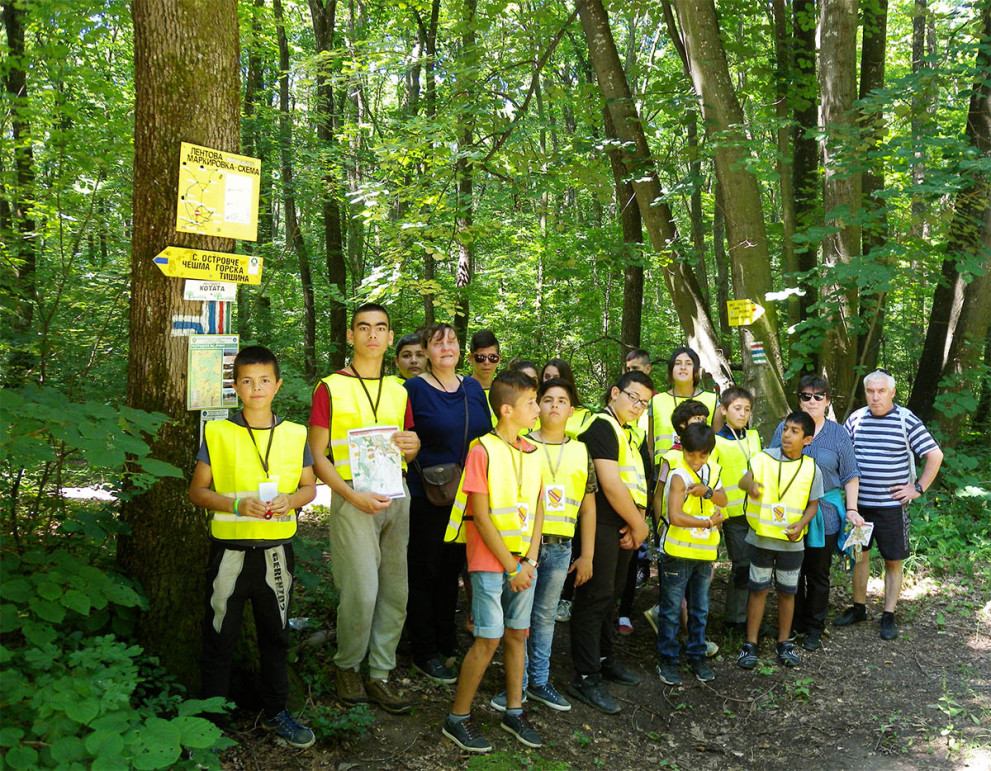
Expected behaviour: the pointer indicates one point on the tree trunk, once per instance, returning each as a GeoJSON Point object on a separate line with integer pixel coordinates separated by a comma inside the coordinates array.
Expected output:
{"type": "Point", "coordinates": [875, 231]}
{"type": "Point", "coordinates": [464, 171]}
{"type": "Point", "coordinates": [678, 276]}
{"type": "Point", "coordinates": [805, 153]}
{"type": "Point", "coordinates": [784, 66]}
{"type": "Point", "coordinates": [961, 309]}
{"type": "Point", "coordinates": [841, 193]}
{"type": "Point", "coordinates": [19, 225]}
{"type": "Point", "coordinates": [323, 13]}
{"type": "Point", "coordinates": [186, 63]}
{"type": "Point", "coordinates": [294, 234]}
{"type": "Point", "coordinates": [750, 262]}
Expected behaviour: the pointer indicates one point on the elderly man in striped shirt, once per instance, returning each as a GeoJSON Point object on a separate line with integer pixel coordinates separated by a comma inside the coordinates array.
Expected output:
{"type": "Point", "coordinates": [886, 438]}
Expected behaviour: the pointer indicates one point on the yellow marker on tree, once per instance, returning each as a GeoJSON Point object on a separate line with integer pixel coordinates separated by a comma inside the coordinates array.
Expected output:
{"type": "Point", "coordinates": [743, 312]}
{"type": "Point", "coordinates": [210, 266]}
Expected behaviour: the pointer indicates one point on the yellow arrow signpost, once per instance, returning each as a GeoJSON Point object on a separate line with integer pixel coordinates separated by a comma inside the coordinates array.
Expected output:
{"type": "Point", "coordinates": [743, 312]}
{"type": "Point", "coordinates": [210, 266]}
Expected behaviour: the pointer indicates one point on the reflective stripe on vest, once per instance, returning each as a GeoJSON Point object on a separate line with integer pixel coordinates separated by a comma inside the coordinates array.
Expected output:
{"type": "Point", "coordinates": [630, 461]}
{"type": "Point", "coordinates": [573, 474]}
{"type": "Point", "coordinates": [694, 543]}
{"type": "Point", "coordinates": [733, 459]}
{"type": "Point", "coordinates": [237, 470]}
{"type": "Point", "coordinates": [763, 517]}
{"type": "Point", "coordinates": [503, 510]}
{"type": "Point", "coordinates": [350, 408]}
{"type": "Point", "coordinates": [661, 407]}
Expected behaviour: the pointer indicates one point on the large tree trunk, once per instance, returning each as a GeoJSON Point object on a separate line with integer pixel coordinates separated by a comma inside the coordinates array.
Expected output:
{"type": "Point", "coordinates": [294, 234]}
{"type": "Point", "coordinates": [805, 154]}
{"type": "Point", "coordinates": [750, 263]}
{"type": "Point", "coordinates": [678, 276]}
{"type": "Point", "coordinates": [18, 224]}
{"type": "Point", "coordinates": [464, 172]}
{"type": "Point", "coordinates": [186, 89]}
{"type": "Point", "coordinates": [784, 65]}
{"type": "Point", "coordinates": [841, 193]}
{"type": "Point", "coordinates": [961, 309]}
{"type": "Point", "coordinates": [323, 13]}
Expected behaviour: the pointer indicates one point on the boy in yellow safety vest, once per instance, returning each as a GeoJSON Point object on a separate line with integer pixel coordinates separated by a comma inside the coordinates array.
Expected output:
{"type": "Point", "coordinates": [735, 446]}
{"type": "Point", "coordinates": [499, 514]}
{"type": "Point", "coordinates": [252, 472]}
{"type": "Point", "coordinates": [688, 549]}
{"type": "Point", "coordinates": [784, 487]}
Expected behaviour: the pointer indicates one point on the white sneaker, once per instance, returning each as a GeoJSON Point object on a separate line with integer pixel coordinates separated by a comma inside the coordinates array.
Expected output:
{"type": "Point", "coordinates": [563, 612]}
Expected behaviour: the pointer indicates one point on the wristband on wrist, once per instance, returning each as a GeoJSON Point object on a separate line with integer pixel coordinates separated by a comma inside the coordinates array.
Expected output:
{"type": "Point", "coordinates": [511, 576]}
{"type": "Point", "coordinates": [235, 508]}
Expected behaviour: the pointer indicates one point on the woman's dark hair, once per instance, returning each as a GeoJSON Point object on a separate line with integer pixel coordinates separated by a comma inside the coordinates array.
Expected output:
{"type": "Point", "coordinates": [564, 370]}
{"type": "Point", "coordinates": [696, 369]}
{"type": "Point", "coordinates": [440, 329]}
{"type": "Point", "coordinates": [816, 383]}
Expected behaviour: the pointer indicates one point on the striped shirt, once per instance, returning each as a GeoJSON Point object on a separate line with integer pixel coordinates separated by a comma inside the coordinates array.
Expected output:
{"type": "Point", "coordinates": [882, 448]}
{"type": "Point", "coordinates": [833, 453]}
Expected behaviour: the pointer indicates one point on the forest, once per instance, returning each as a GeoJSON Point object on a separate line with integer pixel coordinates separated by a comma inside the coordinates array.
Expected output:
{"type": "Point", "coordinates": [583, 179]}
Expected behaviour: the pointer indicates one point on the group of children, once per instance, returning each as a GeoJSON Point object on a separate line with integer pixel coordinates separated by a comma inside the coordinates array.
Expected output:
{"type": "Point", "coordinates": [528, 488]}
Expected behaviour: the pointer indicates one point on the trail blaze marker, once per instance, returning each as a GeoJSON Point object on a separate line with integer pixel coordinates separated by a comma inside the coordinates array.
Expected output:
{"type": "Point", "coordinates": [210, 266]}
{"type": "Point", "coordinates": [757, 355]}
{"type": "Point", "coordinates": [743, 312]}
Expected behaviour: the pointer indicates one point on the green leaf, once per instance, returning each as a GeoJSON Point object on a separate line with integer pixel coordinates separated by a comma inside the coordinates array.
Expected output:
{"type": "Point", "coordinates": [77, 601]}
{"type": "Point", "coordinates": [10, 735]}
{"type": "Point", "coordinates": [197, 732]}
{"type": "Point", "coordinates": [47, 589]}
{"type": "Point", "coordinates": [39, 635]}
{"type": "Point", "coordinates": [83, 710]}
{"type": "Point", "coordinates": [49, 611]}
{"type": "Point", "coordinates": [105, 742]}
{"type": "Point", "coordinates": [21, 757]}
{"type": "Point", "coordinates": [67, 749]}
{"type": "Point", "coordinates": [16, 590]}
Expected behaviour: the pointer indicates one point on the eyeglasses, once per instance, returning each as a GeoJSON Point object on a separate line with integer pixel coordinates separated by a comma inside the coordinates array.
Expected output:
{"type": "Point", "coordinates": [808, 396]}
{"type": "Point", "coordinates": [641, 403]}
{"type": "Point", "coordinates": [480, 358]}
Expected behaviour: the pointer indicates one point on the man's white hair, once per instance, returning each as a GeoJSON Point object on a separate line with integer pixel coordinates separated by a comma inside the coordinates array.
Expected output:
{"type": "Point", "coordinates": [879, 375]}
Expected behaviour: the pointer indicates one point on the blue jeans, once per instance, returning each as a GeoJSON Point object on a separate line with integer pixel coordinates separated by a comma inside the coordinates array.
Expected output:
{"type": "Point", "coordinates": [555, 559]}
{"type": "Point", "coordinates": [677, 575]}
{"type": "Point", "coordinates": [496, 607]}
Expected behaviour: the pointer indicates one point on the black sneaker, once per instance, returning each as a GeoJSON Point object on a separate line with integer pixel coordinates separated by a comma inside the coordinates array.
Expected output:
{"type": "Point", "coordinates": [289, 730]}
{"type": "Point", "coordinates": [590, 691]}
{"type": "Point", "coordinates": [617, 673]}
{"type": "Point", "coordinates": [748, 656]}
{"type": "Point", "coordinates": [852, 615]}
{"type": "Point", "coordinates": [667, 671]}
{"type": "Point", "coordinates": [812, 640]}
{"type": "Point", "coordinates": [702, 670]}
{"type": "Point", "coordinates": [466, 735]}
{"type": "Point", "coordinates": [889, 630]}
{"type": "Point", "coordinates": [787, 655]}
{"type": "Point", "coordinates": [520, 727]}
{"type": "Point", "coordinates": [436, 672]}
{"type": "Point", "coordinates": [547, 694]}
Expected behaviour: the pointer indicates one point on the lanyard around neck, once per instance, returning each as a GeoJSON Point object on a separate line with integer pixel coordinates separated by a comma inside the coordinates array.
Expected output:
{"type": "Point", "coordinates": [781, 463]}
{"type": "Point", "coordinates": [560, 455]}
{"type": "Point", "coordinates": [271, 436]}
{"type": "Point", "coordinates": [744, 448]}
{"type": "Point", "coordinates": [378, 397]}
{"type": "Point", "coordinates": [517, 472]}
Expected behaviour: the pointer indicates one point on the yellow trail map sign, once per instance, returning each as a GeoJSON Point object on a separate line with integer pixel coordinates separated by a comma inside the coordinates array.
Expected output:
{"type": "Point", "coordinates": [210, 266]}
{"type": "Point", "coordinates": [743, 312]}
{"type": "Point", "coordinates": [218, 193]}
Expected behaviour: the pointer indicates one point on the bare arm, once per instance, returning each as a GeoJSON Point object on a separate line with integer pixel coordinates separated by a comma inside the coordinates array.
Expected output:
{"type": "Point", "coordinates": [794, 530]}
{"type": "Point", "coordinates": [852, 490]}
{"type": "Point", "coordinates": [907, 492]}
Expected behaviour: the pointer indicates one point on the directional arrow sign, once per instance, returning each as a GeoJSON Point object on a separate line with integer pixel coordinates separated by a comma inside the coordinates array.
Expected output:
{"type": "Point", "coordinates": [743, 312]}
{"type": "Point", "coordinates": [210, 266]}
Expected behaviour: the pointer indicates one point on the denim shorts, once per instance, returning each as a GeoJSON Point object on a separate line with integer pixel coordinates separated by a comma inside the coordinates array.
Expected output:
{"type": "Point", "coordinates": [784, 565]}
{"type": "Point", "coordinates": [496, 607]}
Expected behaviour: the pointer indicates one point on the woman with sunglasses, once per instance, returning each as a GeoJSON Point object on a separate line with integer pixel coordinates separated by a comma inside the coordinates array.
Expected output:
{"type": "Point", "coordinates": [832, 450]}
{"type": "Point", "coordinates": [449, 411]}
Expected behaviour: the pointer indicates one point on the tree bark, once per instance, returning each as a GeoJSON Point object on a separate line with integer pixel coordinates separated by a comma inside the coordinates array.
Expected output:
{"type": "Point", "coordinates": [294, 234]}
{"type": "Point", "coordinates": [805, 154]}
{"type": "Point", "coordinates": [464, 172]}
{"type": "Point", "coordinates": [961, 308]}
{"type": "Point", "coordinates": [323, 14]}
{"type": "Point", "coordinates": [784, 67]}
{"type": "Point", "coordinates": [841, 193]}
{"type": "Point", "coordinates": [678, 276]}
{"type": "Point", "coordinates": [750, 263]}
{"type": "Point", "coordinates": [186, 63]}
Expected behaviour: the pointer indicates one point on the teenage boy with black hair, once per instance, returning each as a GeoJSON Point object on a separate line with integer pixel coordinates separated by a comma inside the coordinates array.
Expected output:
{"type": "Point", "coordinates": [785, 487]}
{"type": "Point", "coordinates": [410, 360]}
{"type": "Point", "coordinates": [253, 472]}
{"type": "Point", "coordinates": [637, 359]}
{"type": "Point", "coordinates": [499, 514]}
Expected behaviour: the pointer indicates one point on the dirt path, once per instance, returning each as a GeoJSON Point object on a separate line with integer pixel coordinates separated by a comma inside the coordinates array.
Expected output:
{"type": "Point", "coordinates": [922, 701]}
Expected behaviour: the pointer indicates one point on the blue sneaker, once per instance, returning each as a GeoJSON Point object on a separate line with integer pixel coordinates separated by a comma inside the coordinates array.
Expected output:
{"type": "Point", "coordinates": [498, 702]}
{"type": "Point", "coordinates": [547, 694]}
{"type": "Point", "coordinates": [289, 730]}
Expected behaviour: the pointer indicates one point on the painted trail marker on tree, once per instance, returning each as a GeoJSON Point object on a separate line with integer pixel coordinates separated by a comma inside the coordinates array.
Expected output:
{"type": "Point", "coordinates": [218, 193]}
{"type": "Point", "coordinates": [757, 355]}
{"type": "Point", "coordinates": [176, 262]}
{"type": "Point", "coordinates": [743, 312]}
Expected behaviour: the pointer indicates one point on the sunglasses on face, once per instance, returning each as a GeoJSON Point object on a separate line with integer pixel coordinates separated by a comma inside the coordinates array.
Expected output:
{"type": "Point", "coordinates": [809, 396]}
{"type": "Point", "coordinates": [480, 358]}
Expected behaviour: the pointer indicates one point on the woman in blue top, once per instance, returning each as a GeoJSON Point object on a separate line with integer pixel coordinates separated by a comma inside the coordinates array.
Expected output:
{"type": "Point", "coordinates": [449, 411]}
{"type": "Point", "coordinates": [832, 451]}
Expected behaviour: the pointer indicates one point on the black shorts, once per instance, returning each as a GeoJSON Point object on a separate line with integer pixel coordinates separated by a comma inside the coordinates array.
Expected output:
{"type": "Point", "coordinates": [890, 530]}
{"type": "Point", "coordinates": [783, 566]}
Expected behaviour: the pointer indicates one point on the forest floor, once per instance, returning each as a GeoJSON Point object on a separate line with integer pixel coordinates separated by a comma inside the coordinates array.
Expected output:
{"type": "Point", "coordinates": [921, 701]}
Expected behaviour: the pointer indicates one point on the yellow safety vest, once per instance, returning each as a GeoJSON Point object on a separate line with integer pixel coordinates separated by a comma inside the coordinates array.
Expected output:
{"type": "Point", "coordinates": [578, 422]}
{"type": "Point", "coordinates": [572, 473]}
{"type": "Point", "coordinates": [237, 469]}
{"type": "Point", "coordinates": [515, 530]}
{"type": "Point", "coordinates": [694, 543]}
{"type": "Point", "coordinates": [776, 511]}
{"type": "Point", "coordinates": [661, 407]}
{"type": "Point", "coordinates": [630, 461]}
{"type": "Point", "coordinates": [734, 457]}
{"type": "Point", "coordinates": [351, 407]}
